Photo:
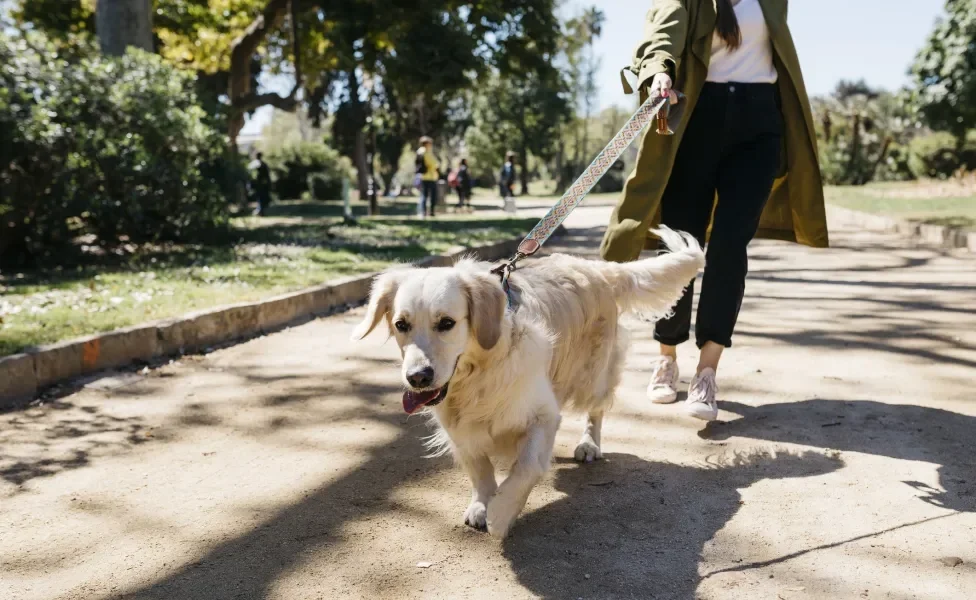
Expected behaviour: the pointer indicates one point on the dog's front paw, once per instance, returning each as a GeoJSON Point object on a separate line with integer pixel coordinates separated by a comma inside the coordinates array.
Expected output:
{"type": "Point", "coordinates": [587, 451]}
{"type": "Point", "coordinates": [501, 516]}
{"type": "Point", "coordinates": [477, 516]}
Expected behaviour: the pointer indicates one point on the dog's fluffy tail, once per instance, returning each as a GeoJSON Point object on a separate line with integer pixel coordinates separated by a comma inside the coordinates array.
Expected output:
{"type": "Point", "coordinates": [654, 285]}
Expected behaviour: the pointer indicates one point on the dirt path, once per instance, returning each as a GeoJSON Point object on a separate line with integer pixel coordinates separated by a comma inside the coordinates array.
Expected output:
{"type": "Point", "coordinates": [284, 468]}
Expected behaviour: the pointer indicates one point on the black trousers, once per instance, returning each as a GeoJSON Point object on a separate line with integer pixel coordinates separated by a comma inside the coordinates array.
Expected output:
{"type": "Point", "coordinates": [264, 199]}
{"type": "Point", "coordinates": [428, 197]}
{"type": "Point", "coordinates": [732, 146]}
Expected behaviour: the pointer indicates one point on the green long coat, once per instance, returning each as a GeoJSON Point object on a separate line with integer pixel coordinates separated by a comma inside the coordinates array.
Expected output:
{"type": "Point", "coordinates": [678, 40]}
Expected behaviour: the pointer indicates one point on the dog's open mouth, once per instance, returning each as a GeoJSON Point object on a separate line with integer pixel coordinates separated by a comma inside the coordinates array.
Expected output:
{"type": "Point", "coordinates": [414, 401]}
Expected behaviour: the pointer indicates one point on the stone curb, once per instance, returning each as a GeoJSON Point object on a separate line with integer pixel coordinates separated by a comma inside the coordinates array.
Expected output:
{"type": "Point", "coordinates": [22, 376]}
{"type": "Point", "coordinates": [950, 238]}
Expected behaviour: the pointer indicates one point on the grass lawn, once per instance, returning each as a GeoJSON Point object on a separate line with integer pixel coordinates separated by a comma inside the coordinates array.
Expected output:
{"type": "Point", "coordinates": [298, 245]}
{"type": "Point", "coordinates": [938, 203]}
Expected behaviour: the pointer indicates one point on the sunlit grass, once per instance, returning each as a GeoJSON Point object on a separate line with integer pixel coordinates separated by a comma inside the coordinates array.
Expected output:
{"type": "Point", "coordinates": [261, 257]}
{"type": "Point", "coordinates": [910, 201]}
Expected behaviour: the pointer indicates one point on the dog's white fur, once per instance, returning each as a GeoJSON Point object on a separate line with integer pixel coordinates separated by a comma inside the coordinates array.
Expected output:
{"type": "Point", "coordinates": [511, 373]}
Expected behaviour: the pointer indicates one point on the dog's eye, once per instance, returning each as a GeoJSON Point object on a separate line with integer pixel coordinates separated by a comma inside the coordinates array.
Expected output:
{"type": "Point", "coordinates": [445, 324]}
{"type": "Point", "coordinates": [402, 326]}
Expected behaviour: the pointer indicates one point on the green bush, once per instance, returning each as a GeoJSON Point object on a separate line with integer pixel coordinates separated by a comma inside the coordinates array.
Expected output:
{"type": "Point", "coordinates": [115, 148]}
{"type": "Point", "coordinates": [933, 155]}
{"type": "Point", "coordinates": [613, 181]}
{"type": "Point", "coordinates": [307, 167]}
{"type": "Point", "coordinates": [837, 165]}
{"type": "Point", "coordinates": [320, 187]}
{"type": "Point", "coordinates": [895, 166]}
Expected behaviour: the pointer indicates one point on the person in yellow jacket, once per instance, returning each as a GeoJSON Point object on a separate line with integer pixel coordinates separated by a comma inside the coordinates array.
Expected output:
{"type": "Point", "coordinates": [427, 168]}
{"type": "Point", "coordinates": [742, 163]}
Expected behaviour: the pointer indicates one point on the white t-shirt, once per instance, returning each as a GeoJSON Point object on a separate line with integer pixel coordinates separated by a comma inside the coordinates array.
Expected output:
{"type": "Point", "coordinates": [752, 62]}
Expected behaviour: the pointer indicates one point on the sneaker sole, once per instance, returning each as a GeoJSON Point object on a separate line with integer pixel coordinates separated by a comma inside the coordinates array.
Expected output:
{"type": "Point", "coordinates": [702, 412]}
{"type": "Point", "coordinates": [663, 398]}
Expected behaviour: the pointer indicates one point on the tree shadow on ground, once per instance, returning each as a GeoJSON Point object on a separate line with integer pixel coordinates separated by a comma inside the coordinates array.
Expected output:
{"type": "Point", "coordinates": [904, 432]}
{"type": "Point", "coordinates": [249, 565]}
{"type": "Point", "coordinates": [43, 442]}
{"type": "Point", "coordinates": [671, 512]}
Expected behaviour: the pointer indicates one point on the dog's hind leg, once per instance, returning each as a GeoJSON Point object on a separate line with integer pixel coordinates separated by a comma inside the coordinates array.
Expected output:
{"type": "Point", "coordinates": [483, 486]}
{"type": "Point", "coordinates": [588, 448]}
{"type": "Point", "coordinates": [530, 466]}
{"type": "Point", "coordinates": [600, 400]}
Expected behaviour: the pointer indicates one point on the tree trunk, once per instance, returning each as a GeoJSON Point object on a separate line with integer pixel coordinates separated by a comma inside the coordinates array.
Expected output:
{"type": "Point", "coordinates": [960, 136]}
{"type": "Point", "coordinates": [524, 172]}
{"type": "Point", "coordinates": [373, 193]}
{"type": "Point", "coordinates": [560, 167]}
{"type": "Point", "coordinates": [877, 163]}
{"type": "Point", "coordinates": [242, 98]}
{"type": "Point", "coordinates": [586, 128]}
{"type": "Point", "coordinates": [576, 145]}
{"type": "Point", "coordinates": [855, 148]}
{"type": "Point", "coordinates": [359, 159]}
{"type": "Point", "coordinates": [124, 23]}
{"type": "Point", "coordinates": [523, 150]}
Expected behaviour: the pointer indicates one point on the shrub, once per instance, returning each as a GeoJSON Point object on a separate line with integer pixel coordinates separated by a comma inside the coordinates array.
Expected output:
{"type": "Point", "coordinates": [895, 166]}
{"type": "Point", "coordinates": [859, 134]}
{"type": "Point", "coordinates": [850, 160]}
{"type": "Point", "coordinates": [320, 187]}
{"type": "Point", "coordinates": [933, 155]}
{"type": "Point", "coordinates": [307, 167]}
{"type": "Point", "coordinates": [113, 147]}
{"type": "Point", "coordinates": [613, 181]}
{"type": "Point", "coordinates": [936, 155]}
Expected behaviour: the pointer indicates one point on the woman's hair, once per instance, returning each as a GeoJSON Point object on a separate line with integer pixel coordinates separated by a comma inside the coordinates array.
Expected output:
{"type": "Point", "coordinates": [728, 25]}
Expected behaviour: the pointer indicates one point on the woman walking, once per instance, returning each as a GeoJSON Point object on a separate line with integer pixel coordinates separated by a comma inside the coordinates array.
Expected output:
{"type": "Point", "coordinates": [742, 164]}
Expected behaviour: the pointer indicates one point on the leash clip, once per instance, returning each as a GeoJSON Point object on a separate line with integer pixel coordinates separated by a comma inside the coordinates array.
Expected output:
{"type": "Point", "coordinates": [506, 269]}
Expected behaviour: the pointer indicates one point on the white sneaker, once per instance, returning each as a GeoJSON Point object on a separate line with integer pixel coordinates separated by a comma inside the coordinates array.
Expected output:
{"type": "Point", "coordinates": [663, 388]}
{"type": "Point", "coordinates": [701, 402]}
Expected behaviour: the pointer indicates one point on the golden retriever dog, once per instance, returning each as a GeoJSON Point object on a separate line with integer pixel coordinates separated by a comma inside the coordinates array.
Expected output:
{"type": "Point", "coordinates": [497, 370]}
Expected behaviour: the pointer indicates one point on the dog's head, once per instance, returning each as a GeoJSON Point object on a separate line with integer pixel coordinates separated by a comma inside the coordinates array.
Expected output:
{"type": "Point", "coordinates": [435, 315]}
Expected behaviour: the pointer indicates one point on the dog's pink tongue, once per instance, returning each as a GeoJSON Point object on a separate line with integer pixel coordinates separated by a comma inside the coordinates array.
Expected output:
{"type": "Point", "coordinates": [414, 401]}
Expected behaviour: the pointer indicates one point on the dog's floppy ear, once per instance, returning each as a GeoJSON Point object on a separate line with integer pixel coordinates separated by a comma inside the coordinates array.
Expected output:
{"type": "Point", "coordinates": [380, 302]}
{"type": "Point", "coordinates": [486, 308]}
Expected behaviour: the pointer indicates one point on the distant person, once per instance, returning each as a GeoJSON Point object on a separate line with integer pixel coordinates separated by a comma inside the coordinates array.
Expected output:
{"type": "Point", "coordinates": [427, 170]}
{"type": "Point", "coordinates": [506, 179]}
{"type": "Point", "coordinates": [747, 137]}
{"type": "Point", "coordinates": [464, 185]}
{"type": "Point", "coordinates": [261, 183]}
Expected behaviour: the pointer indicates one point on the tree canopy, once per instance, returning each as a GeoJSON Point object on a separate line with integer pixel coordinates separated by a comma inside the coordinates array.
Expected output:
{"type": "Point", "coordinates": [944, 94]}
{"type": "Point", "coordinates": [403, 66]}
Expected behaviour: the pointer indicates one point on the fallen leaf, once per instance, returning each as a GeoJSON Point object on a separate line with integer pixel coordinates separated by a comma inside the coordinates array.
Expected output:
{"type": "Point", "coordinates": [424, 564]}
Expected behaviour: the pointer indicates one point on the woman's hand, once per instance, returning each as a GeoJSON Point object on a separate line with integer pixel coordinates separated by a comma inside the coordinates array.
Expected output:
{"type": "Point", "coordinates": [661, 86]}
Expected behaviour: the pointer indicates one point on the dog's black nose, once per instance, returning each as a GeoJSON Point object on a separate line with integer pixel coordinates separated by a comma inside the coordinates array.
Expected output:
{"type": "Point", "coordinates": [421, 378]}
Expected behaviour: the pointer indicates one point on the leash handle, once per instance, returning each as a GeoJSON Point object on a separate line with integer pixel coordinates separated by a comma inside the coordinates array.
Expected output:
{"type": "Point", "coordinates": [593, 173]}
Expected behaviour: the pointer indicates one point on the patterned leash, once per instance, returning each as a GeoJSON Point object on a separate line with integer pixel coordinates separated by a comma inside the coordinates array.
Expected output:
{"type": "Point", "coordinates": [654, 106]}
